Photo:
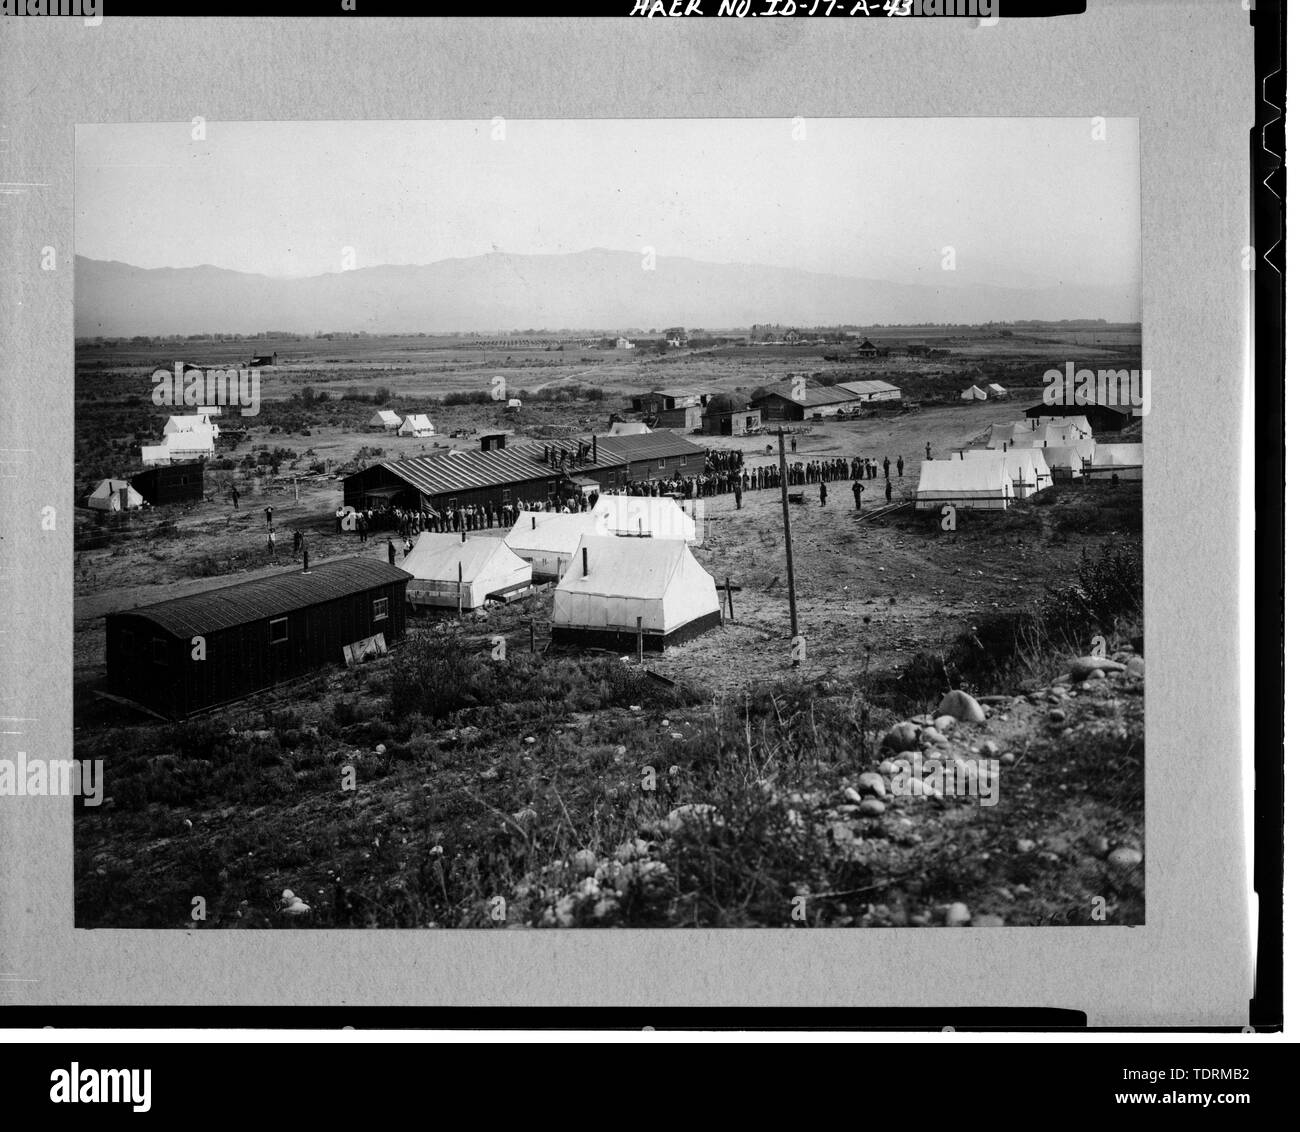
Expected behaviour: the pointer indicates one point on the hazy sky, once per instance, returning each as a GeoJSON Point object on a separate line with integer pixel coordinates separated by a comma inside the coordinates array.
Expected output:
{"type": "Point", "coordinates": [1022, 201]}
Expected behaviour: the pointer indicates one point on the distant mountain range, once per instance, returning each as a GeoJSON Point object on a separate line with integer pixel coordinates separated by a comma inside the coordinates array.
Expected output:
{"type": "Point", "coordinates": [593, 290]}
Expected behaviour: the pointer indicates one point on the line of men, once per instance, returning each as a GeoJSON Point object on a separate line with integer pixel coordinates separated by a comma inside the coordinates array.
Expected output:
{"type": "Point", "coordinates": [818, 471]}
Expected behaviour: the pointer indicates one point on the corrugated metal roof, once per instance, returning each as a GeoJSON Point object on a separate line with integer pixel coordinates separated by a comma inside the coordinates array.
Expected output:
{"type": "Point", "coordinates": [813, 394]}
{"type": "Point", "coordinates": [865, 388]}
{"type": "Point", "coordinates": [272, 596]}
{"type": "Point", "coordinates": [467, 470]}
{"type": "Point", "coordinates": [657, 445]}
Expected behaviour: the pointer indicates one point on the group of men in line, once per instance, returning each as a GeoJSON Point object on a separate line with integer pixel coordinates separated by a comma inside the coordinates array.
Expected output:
{"type": "Point", "coordinates": [453, 520]}
{"type": "Point", "coordinates": [818, 471]}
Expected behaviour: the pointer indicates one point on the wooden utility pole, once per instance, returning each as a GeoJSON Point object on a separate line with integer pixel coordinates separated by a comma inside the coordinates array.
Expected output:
{"type": "Point", "coordinates": [789, 551]}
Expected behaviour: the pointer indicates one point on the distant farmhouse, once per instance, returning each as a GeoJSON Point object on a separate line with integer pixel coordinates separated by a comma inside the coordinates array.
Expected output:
{"type": "Point", "coordinates": [676, 336]}
{"type": "Point", "coordinates": [265, 360]}
{"type": "Point", "coordinates": [868, 349]}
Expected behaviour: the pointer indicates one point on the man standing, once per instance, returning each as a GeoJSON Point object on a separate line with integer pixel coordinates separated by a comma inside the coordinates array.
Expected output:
{"type": "Point", "coordinates": [857, 494]}
{"type": "Point", "coordinates": [392, 553]}
{"type": "Point", "coordinates": [234, 496]}
{"type": "Point", "coordinates": [268, 518]}
{"type": "Point", "coordinates": [900, 467]}
{"type": "Point", "coordinates": [889, 490]}
{"type": "Point", "coordinates": [737, 494]}
{"type": "Point", "coordinates": [886, 469]}
{"type": "Point", "coordinates": [823, 493]}
{"type": "Point", "coordinates": [270, 544]}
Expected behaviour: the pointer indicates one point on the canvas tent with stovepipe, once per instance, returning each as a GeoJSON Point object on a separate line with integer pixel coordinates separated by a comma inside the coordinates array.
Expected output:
{"type": "Point", "coordinates": [979, 485]}
{"type": "Point", "coordinates": [1025, 468]}
{"type": "Point", "coordinates": [1122, 460]}
{"type": "Point", "coordinates": [974, 393]}
{"type": "Point", "coordinates": [452, 572]}
{"type": "Point", "coordinates": [1064, 460]}
{"type": "Point", "coordinates": [385, 419]}
{"type": "Point", "coordinates": [644, 516]}
{"type": "Point", "coordinates": [548, 540]}
{"type": "Point", "coordinates": [615, 588]}
{"type": "Point", "coordinates": [114, 495]}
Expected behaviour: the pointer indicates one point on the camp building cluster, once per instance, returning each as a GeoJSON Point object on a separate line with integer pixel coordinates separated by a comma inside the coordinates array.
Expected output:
{"type": "Point", "coordinates": [623, 572]}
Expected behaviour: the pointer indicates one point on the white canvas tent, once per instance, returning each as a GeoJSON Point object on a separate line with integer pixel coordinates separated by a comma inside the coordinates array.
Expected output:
{"type": "Point", "coordinates": [613, 583]}
{"type": "Point", "coordinates": [644, 516]}
{"type": "Point", "coordinates": [115, 495]}
{"type": "Point", "coordinates": [1077, 420]}
{"type": "Point", "coordinates": [981, 485]}
{"type": "Point", "coordinates": [386, 419]}
{"type": "Point", "coordinates": [453, 573]}
{"type": "Point", "coordinates": [1086, 447]}
{"type": "Point", "coordinates": [1053, 436]}
{"type": "Point", "coordinates": [548, 540]}
{"type": "Point", "coordinates": [628, 428]}
{"type": "Point", "coordinates": [1025, 468]}
{"type": "Point", "coordinates": [416, 425]}
{"type": "Point", "coordinates": [1000, 434]}
{"type": "Point", "coordinates": [1123, 460]}
{"type": "Point", "coordinates": [974, 393]}
{"type": "Point", "coordinates": [1064, 460]}
{"type": "Point", "coordinates": [996, 390]}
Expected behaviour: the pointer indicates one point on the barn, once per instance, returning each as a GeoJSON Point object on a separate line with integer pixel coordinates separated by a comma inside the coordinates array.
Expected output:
{"type": "Point", "coordinates": [171, 483]}
{"type": "Point", "coordinates": [785, 401]}
{"type": "Point", "coordinates": [672, 408]}
{"type": "Point", "coordinates": [523, 473]}
{"type": "Point", "coordinates": [726, 415]}
{"type": "Point", "coordinates": [869, 392]}
{"type": "Point", "coordinates": [188, 654]}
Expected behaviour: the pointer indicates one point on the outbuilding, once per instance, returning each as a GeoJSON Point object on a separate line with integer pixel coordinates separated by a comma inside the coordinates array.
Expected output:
{"type": "Point", "coordinates": [188, 654]}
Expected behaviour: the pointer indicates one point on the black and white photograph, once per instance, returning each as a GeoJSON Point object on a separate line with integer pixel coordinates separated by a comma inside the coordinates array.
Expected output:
{"type": "Point", "coordinates": [609, 523]}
